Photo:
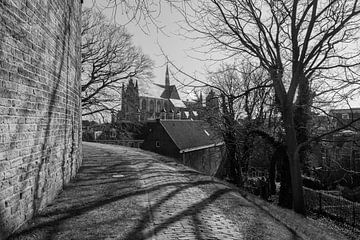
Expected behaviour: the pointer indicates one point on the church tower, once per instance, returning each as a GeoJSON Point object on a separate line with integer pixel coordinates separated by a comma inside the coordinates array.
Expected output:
{"type": "Point", "coordinates": [167, 79]}
{"type": "Point", "coordinates": [130, 100]}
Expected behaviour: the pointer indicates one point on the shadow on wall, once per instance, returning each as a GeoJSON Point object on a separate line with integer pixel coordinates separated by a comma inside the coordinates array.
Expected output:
{"type": "Point", "coordinates": [37, 155]}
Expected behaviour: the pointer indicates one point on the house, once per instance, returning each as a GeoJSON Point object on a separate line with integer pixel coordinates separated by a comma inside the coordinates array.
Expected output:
{"type": "Point", "coordinates": [342, 117]}
{"type": "Point", "coordinates": [336, 158]}
{"type": "Point", "coordinates": [193, 143]}
{"type": "Point", "coordinates": [148, 101]}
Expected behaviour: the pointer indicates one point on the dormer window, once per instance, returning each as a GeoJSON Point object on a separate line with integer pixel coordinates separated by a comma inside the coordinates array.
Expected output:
{"type": "Point", "coordinates": [345, 116]}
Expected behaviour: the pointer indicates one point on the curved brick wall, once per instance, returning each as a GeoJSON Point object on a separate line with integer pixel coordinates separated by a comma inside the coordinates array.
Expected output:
{"type": "Point", "coordinates": [40, 117]}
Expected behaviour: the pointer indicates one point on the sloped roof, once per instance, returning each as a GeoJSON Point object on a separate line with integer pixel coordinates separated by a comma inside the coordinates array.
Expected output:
{"type": "Point", "coordinates": [151, 90]}
{"type": "Point", "coordinates": [188, 134]}
{"type": "Point", "coordinates": [154, 90]}
{"type": "Point", "coordinates": [170, 92]}
{"type": "Point", "coordinates": [344, 110]}
{"type": "Point", "coordinates": [177, 103]}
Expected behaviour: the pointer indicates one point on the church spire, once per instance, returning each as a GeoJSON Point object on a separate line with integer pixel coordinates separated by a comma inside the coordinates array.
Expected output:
{"type": "Point", "coordinates": [167, 80]}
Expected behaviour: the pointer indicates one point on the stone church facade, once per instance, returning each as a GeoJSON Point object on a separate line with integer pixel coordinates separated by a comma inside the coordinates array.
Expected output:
{"type": "Point", "coordinates": [142, 103]}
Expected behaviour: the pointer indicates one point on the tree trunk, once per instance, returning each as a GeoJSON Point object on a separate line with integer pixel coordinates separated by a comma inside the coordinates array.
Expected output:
{"type": "Point", "coordinates": [235, 171]}
{"type": "Point", "coordinates": [294, 160]}
{"type": "Point", "coordinates": [301, 120]}
{"type": "Point", "coordinates": [230, 140]}
{"type": "Point", "coordinates": [285, 194]}
{"type": "Point", "coordinates": [272, 171]}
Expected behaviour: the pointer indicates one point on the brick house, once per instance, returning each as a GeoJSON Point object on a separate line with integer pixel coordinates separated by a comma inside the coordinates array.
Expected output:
{"type": "Point", "coordinates": [341, 117]}
{"type": "Point", "coordinates": [193, 143]}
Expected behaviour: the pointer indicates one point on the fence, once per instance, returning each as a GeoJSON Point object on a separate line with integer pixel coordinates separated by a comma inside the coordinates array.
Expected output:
{"type": "Point", "coordinates": [336, 207]}
{"type": "Point", "coordinates": [127, 143]}
{"type": "Point", "coordinates": [255, 173]}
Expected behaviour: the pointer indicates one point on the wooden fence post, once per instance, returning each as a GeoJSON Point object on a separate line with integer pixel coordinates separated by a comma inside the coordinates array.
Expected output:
{"type": "Point", "coordinates": [320, 203]}
{"type": "Point", "coordinates": [353, 214]}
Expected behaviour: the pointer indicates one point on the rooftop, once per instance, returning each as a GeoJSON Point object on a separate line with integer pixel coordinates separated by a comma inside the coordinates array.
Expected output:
{"type": "Point", "coordinates": [189, 134]}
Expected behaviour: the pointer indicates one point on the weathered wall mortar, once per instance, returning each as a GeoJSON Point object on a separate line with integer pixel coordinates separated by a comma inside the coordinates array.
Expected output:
{"type": "Point", "coordinates": [40, 117]}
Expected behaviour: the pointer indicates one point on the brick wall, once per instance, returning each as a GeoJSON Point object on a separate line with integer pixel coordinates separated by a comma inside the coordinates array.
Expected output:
{"type": "Point", "coordinates": [205, 160]}
{"type": "Point", "coordinates": [40, 115]}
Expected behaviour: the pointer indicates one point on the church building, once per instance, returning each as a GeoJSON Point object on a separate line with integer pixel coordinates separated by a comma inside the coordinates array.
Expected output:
{"type": "Point", "coordinates": [153, 101]}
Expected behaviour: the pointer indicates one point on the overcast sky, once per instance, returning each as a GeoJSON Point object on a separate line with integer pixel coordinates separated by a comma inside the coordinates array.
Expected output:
{"type": "Point", "coordinates": [178, 48]}
{"type": "Point", "coordinates": [153, 41]}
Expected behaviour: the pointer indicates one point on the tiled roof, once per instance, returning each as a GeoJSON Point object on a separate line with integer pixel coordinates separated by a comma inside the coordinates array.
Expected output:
{"type": "Point", "coordinates": [188, 134]}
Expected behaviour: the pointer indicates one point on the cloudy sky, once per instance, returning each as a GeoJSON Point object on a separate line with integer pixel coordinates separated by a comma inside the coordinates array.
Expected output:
{"type": "Point", "coordinates": [161, 38]}
{"type": "Point", "coordinates": [168, 38]}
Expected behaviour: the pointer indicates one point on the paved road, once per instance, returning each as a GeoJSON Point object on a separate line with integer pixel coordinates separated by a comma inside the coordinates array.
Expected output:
{"type": "Point", "coordinates": [130, 194]}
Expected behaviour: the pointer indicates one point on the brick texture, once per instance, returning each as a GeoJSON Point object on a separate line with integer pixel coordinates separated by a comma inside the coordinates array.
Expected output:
{"type": "Point", "coordinates": [40, 117]}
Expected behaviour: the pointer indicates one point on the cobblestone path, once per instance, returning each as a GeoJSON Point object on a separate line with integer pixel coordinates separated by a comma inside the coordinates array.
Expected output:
{"type": "Point", "coordinates": [130, 194]}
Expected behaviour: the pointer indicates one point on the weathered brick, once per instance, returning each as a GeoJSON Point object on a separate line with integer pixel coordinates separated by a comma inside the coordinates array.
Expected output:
{"type": "Point", "coordinates": [37, 101]}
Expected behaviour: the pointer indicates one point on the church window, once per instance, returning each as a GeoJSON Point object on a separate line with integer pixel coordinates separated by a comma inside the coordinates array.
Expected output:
{"type": "Point", "coordinates": [166, 106]}
{"type": "Point", "coordinates": [157, 144]}
{"type": "Point", "coordinates": [143, 104]}
{"type": "Point", "coordinates": [152, 105]}
{"type": "Point", "coordinates": [158, 106]}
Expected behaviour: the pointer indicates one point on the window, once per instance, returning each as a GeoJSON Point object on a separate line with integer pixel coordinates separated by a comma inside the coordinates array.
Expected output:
{"type": "Point", "coordinates": [143, 104]}
{"type": "Point", "coordinates": [152, 106]}
{"type": "Point", "coordinates": [157, 144]}
{"type": "Point", "coordinates": [158, 106]}
{"type": "Point", "coordinates": [345, 116]}
{"type": "Point", "coordinates": [113, 133]}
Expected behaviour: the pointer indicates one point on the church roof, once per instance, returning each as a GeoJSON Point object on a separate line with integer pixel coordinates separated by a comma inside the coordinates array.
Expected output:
{"type": "Point", "coordinates": [170, 92]}
{"type": "Point", "coordinates": [158, 91]}
{"type": "Point", "coordinates": [151, 90]}
{"type": "Point", "coordinates": [188, 134]}
{"type": "Point", "coordinates": [178, 103]}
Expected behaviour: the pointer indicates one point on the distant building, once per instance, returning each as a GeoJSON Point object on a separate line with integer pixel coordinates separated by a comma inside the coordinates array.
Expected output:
{"type": "Point", "coordinates": [342, 117]}
{"type": "Point", "coordinates": [152, 101]}
{"type": "Point", "coordinates": [337, 157]}
{"type": "Point", "coordinates": [320, 124]}
{"type": "Point", "coordinates": [194, 143]}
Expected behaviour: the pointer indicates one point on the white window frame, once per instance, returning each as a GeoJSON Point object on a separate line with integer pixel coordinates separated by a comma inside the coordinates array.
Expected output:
{"type": "Point", "coordinates": [345, 116]}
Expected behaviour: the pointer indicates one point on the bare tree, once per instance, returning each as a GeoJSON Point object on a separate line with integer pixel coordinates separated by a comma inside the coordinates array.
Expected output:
{"type": "Point", "coordinates": [295, 42]}
{"type": "Point", "coordinates": [242, 93]}
{"type": "Point", "coordinates": [108, 58]}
